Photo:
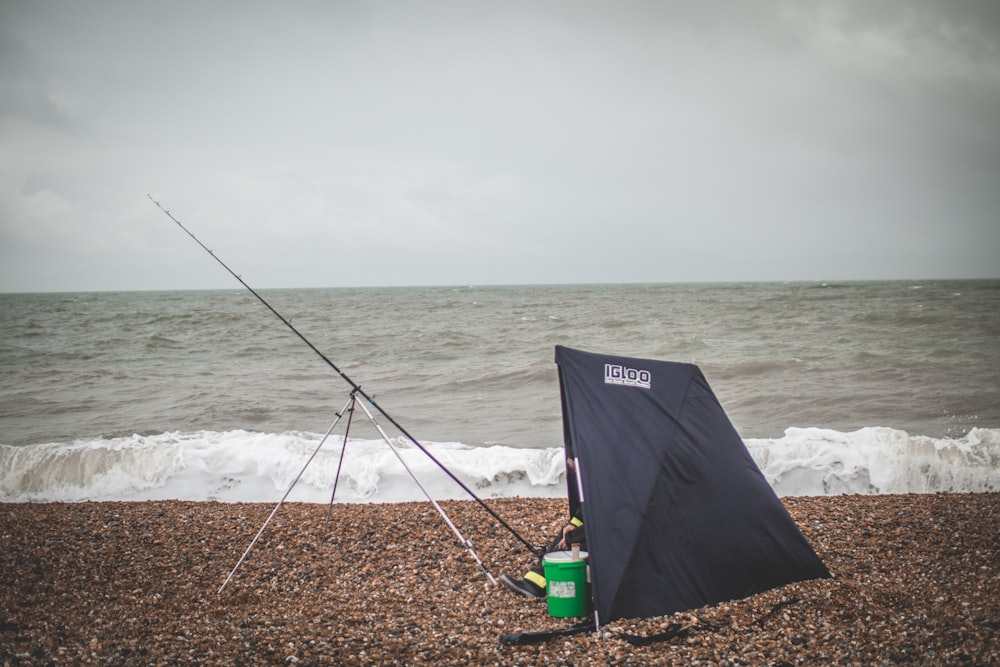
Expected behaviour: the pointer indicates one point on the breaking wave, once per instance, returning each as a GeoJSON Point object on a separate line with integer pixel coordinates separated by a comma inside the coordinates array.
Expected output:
{"type": "Point", "coordinates": [243, 466]}
{"type": "Point", "coordinates": [813, 461]}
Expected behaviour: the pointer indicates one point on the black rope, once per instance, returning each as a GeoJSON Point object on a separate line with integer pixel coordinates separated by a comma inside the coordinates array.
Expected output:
{"type": "Point", "coordinates": [354, 386]}
{"type": "Point", "coordinates": [673, 631]}
{"type": "Point", "coordinates": [778, 606]}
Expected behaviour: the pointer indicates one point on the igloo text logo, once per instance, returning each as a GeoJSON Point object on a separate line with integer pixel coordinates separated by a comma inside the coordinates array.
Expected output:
{"type": "Point", "coordinates": [630, 377]}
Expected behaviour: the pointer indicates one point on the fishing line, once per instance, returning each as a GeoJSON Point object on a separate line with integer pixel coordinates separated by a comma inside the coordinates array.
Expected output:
{"type": "Point", "coordinates": [354, 386]}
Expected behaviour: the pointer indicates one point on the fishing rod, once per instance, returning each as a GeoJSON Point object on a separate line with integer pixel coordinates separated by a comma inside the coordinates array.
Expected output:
{"type": "Point", "coordinates": [354, 386]}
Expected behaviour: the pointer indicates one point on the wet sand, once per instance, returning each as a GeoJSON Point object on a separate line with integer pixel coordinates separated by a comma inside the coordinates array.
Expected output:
{"type": "Point", "coordinates": [917, 582]}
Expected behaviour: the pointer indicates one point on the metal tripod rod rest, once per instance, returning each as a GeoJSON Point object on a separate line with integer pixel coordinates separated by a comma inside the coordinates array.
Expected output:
{"type": "Point", "coordinates": [355, 386]}
{"type": "Point", "coordinates": [343, 451]}
{"type": "Point", "coordinates": [444, 515]}
{"type": "Point", "coordinates": [288, 492]}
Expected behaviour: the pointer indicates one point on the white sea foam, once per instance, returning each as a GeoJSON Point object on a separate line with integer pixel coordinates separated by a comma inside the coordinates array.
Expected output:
{"type": "Point", "coordinates": [813, 461]}
{"type": "Point", "coordinates": [243, 466]}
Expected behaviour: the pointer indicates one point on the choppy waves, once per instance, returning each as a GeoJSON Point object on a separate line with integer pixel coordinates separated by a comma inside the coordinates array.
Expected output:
{"type": "Point", "coordinates": [243, 466]}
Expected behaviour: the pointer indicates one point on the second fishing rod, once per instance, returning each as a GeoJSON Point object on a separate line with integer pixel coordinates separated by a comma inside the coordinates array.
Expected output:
{"type": "Point", "coordinates": [354, 386]}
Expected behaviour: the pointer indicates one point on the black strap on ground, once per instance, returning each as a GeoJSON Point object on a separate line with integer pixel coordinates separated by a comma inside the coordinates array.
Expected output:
{"type": "Point", "coordinates": [356, 388]}
{"type": "Point", "coordinates": [522, 638]}
{"type": "Point", "coordinates": [673, 631]}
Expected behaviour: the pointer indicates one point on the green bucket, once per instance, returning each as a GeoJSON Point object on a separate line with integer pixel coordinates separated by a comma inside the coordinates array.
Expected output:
{"type": "Point", "coordinates": [567, 584]}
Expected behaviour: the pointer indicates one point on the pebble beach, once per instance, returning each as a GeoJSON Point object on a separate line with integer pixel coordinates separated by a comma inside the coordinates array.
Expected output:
{"type": "Point", "coordinates": [916, 582]}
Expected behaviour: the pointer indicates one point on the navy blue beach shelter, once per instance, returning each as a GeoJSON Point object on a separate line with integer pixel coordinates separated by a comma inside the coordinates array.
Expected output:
{"type": "Point", "coordinates": [677, 513]}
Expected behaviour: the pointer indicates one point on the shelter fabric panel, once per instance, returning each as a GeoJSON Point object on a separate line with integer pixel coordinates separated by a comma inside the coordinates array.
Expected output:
{"type": "Point", "coordinates": [677, 513]}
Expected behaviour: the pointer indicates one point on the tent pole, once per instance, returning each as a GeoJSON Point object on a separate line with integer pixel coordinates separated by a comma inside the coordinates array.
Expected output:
{"type": "Point", "coordinates": [579, 492]}
{"type": "Point", "coordinates": [579, 481]}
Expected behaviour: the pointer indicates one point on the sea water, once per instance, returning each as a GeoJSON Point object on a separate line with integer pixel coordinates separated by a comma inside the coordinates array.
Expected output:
{"type": "Point", "coordinates": [856, 387]}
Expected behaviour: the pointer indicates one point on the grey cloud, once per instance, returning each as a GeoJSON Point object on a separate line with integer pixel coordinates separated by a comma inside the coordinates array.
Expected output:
{"type": "Point", "coordinates": [501, 142]}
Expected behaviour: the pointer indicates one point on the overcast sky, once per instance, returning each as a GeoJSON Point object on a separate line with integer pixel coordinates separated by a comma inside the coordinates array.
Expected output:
{"type": "Point", "coordinates": [363, 143]}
